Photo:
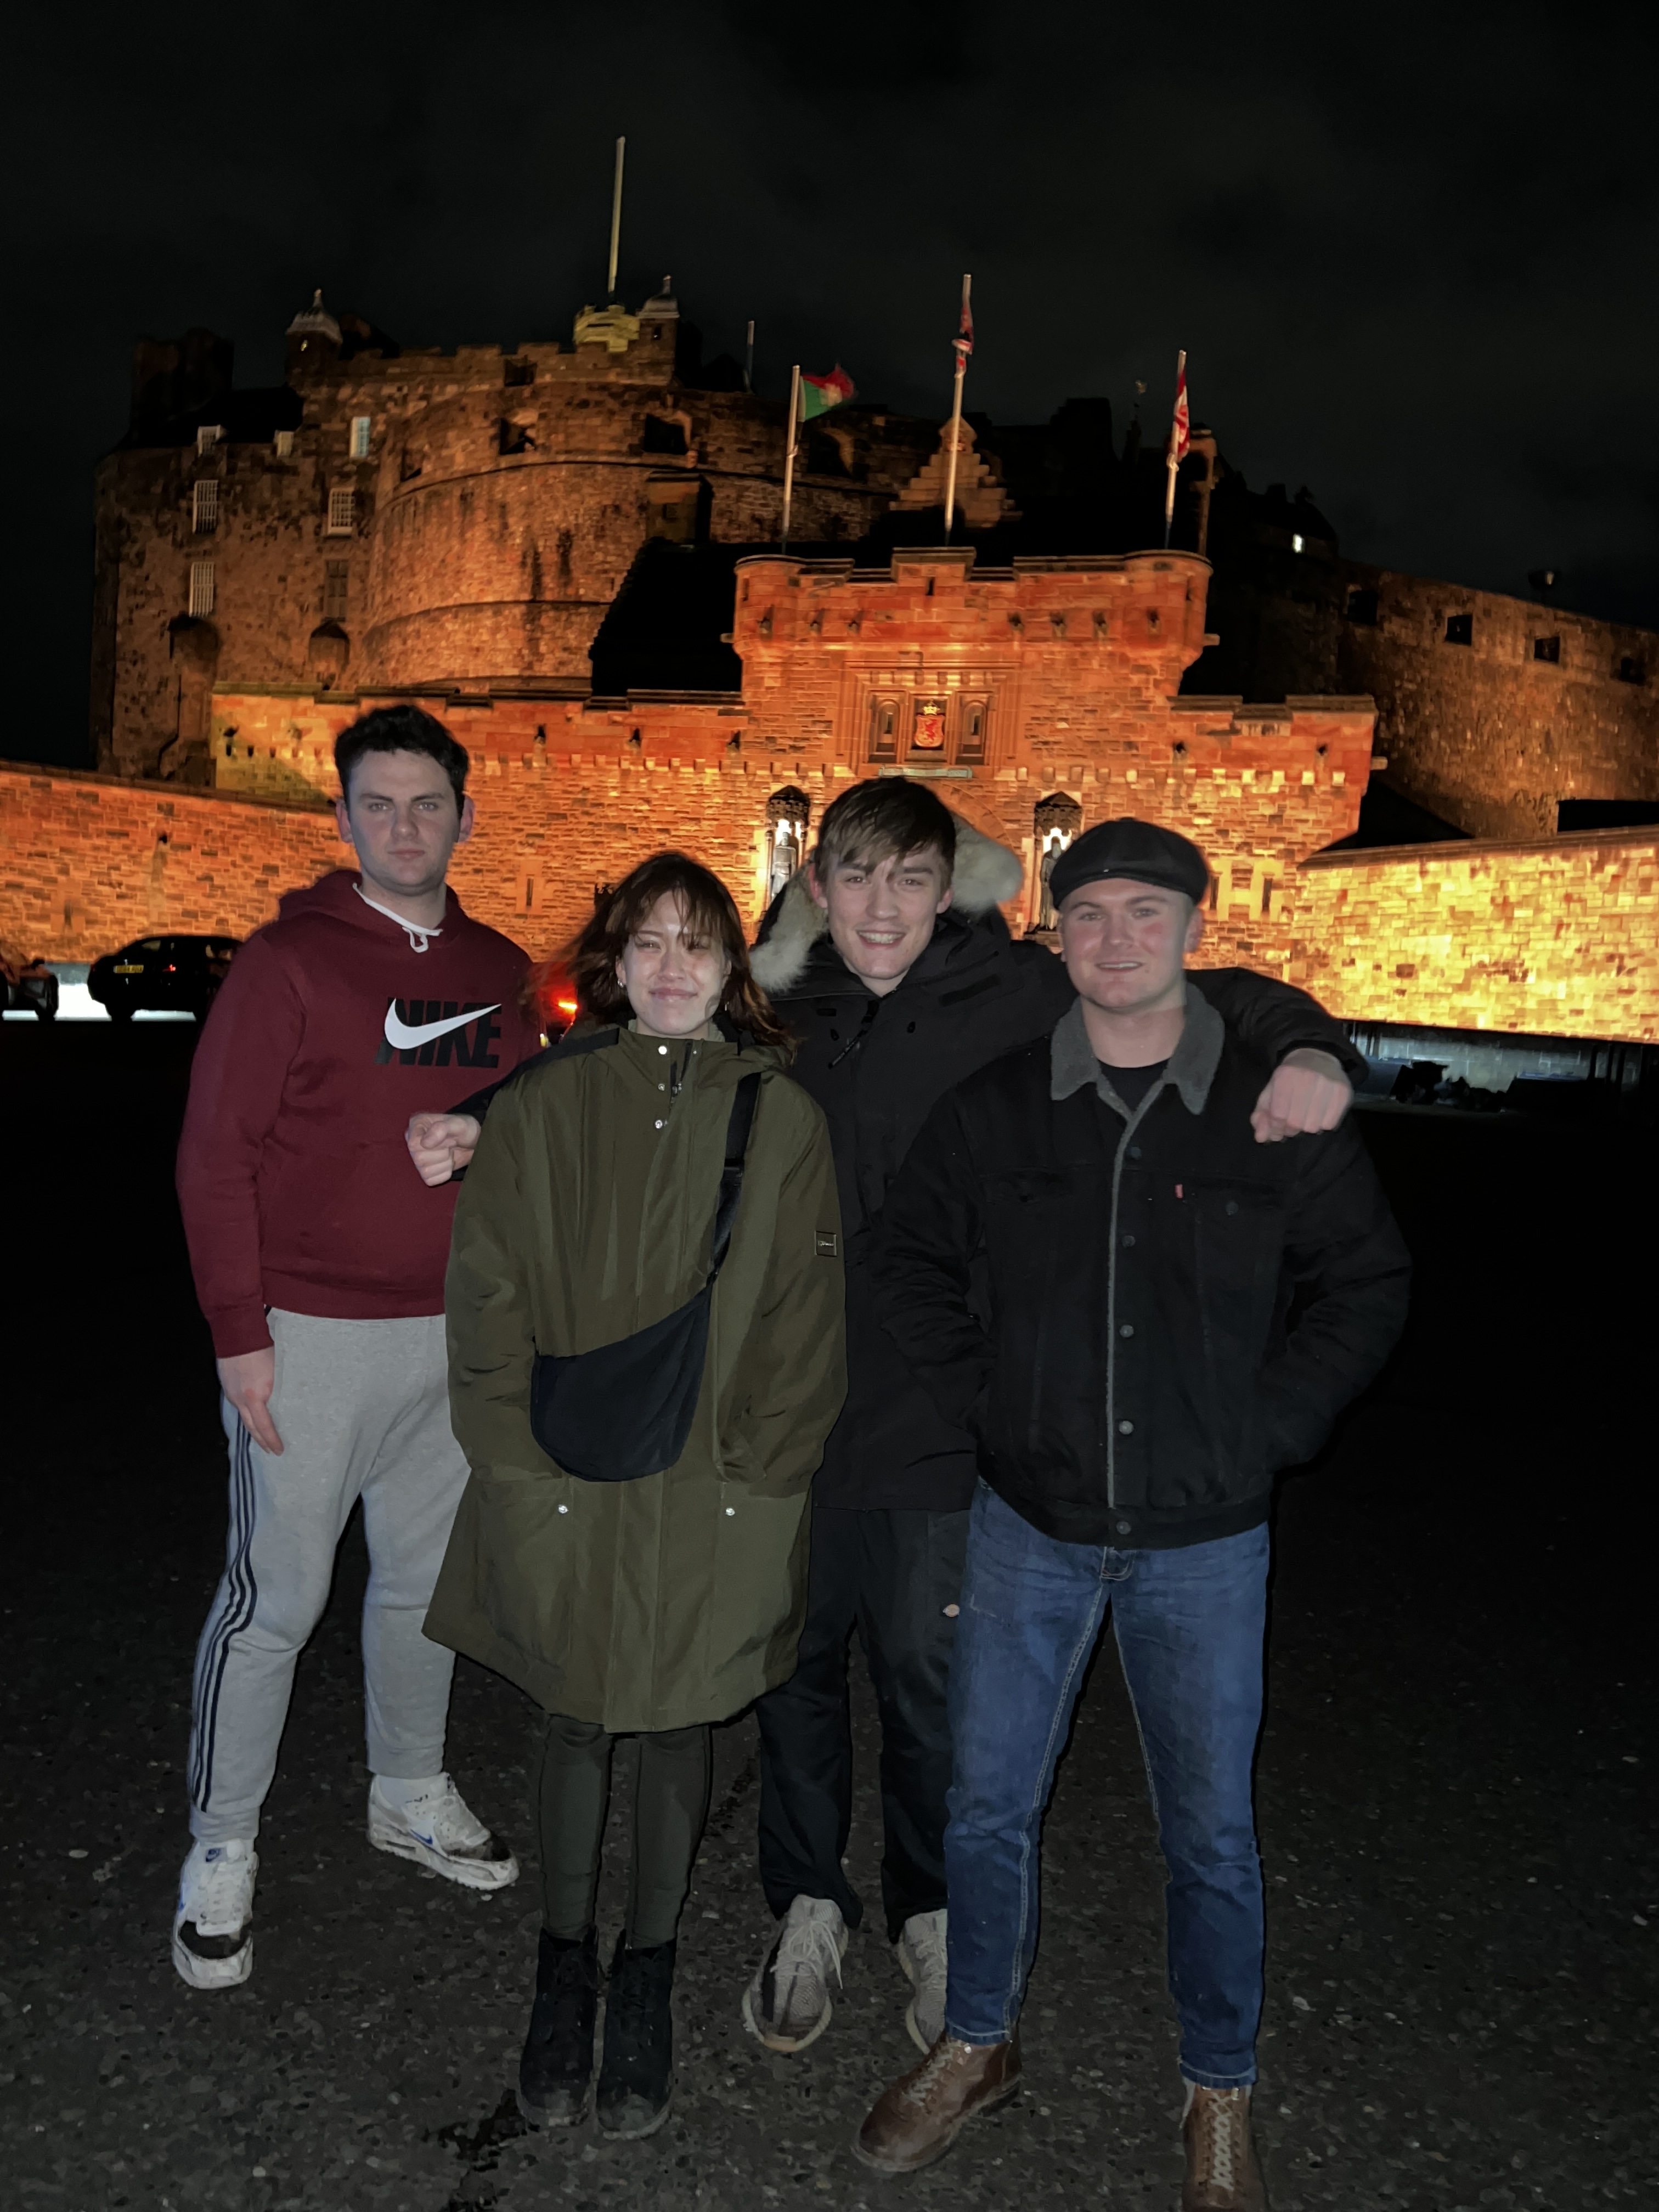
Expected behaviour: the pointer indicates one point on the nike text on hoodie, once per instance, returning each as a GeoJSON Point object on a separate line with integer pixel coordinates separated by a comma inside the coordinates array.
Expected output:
{"type": "Point", "coordinates": [330, 1030]}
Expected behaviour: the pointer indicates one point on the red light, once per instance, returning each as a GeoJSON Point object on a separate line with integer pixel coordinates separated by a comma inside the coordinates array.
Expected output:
{"type": "Point", "coordinates": [172, 970]}
{"type": "Point", "coordinates": [566, 1005]}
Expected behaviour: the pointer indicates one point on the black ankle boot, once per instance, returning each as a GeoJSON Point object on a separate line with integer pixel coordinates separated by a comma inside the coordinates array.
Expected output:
{"type": "Point", "coordinates": [636, 2082]}
{"type": "Point", "coordinates": [556, 2072]}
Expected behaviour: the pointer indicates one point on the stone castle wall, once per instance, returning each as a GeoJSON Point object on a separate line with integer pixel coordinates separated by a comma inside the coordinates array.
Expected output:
{"type": "Point", "coordinates": [1551, 938]}
{"type": "Point", "coordinates": [1474, 724]}
{"type": "Point", "coordinates": [495, 514]}
{"type": "Point", "coordinates": [1048, 681]}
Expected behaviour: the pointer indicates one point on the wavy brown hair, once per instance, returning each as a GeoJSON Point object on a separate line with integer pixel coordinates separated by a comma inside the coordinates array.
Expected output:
{"type": "Point", "coordinates": [709, 913]}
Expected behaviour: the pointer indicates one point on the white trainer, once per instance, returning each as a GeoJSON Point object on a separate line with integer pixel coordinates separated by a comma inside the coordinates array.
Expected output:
{"type": "Point", "coordinates": [788, 2004]}
{"type": "Point", "coordinates": [213, 1921]}
{"type": "Point", "coordinates": [437, 1829]}
{"type": "Point", "coordinates": [921, 1950]}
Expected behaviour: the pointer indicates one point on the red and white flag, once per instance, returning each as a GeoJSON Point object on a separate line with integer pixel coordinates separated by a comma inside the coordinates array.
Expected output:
{"type": "Point", "coordinates": [1181, 426]}
{"type": "Point", "coordinates": [964, 342]}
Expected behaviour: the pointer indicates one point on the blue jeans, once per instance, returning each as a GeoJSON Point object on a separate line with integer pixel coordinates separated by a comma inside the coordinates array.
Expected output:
{"type": "Point", "coordinates": [1190, 1625]}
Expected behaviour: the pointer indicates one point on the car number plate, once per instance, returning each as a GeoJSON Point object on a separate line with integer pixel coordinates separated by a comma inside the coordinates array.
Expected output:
{"type": "Point", "coordinates": [130, 967]}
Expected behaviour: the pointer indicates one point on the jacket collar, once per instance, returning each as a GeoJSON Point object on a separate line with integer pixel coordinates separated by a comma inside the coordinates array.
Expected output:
{"type": "Point", "coordinates": [1190, 1068]}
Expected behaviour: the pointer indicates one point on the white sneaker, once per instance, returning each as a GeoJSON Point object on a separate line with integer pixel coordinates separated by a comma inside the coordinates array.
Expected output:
{"type": "Point", "coordinates": [921, 1951]}
{"type": "Point", "coordinates": [213, 1922]}
{"type": "Point", "coordinates": [438, 1829]}
{"type": "Point", "coordinates": [788, 2004]}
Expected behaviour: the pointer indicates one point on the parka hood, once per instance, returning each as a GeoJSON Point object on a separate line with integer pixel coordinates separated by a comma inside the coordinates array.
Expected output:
{"type": "Point", "coordinates": [985, 875]}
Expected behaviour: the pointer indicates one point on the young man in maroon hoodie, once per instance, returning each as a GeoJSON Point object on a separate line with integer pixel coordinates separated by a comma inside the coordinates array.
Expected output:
{"type": "Point", "coordinates": [320, 1267]}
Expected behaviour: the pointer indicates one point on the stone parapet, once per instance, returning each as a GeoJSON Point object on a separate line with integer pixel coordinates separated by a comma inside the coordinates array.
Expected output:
{"type": "Point", "coordinates": [1556, 938]}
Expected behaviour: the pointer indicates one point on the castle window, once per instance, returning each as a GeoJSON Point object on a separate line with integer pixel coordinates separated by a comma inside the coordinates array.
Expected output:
{"type": "Point", "coordinates": [883, 729]}
{"type": "Point", "coordinates": [787, 812]}
{"type": "Point", "coordinates": [361, 425]}
{"type": "Point", "coordinates": [519, 372]}
{"type": "Point", "coordinates": [1546, 648]}
{"type": "Point", "coordinates": [284, 443]}
{"type": "Point", "coordinates": [976, 716]}
{"type": "Point", "coordinates": [1362, 606]}
{"type": "Point", "coordinates": [201, 589]}
{"type": "Point", "coordinates": [1632, 670]}
{"type": "Point", "coordinates": [1460, 629]}
{"type": "Point", "coordinates": [514, 437]}
{"type": "Point", "coordinates": [204, 503]}
{"type": "Point", "coordinates": [337, 590]}
{"type": "Point", "coordinates": [208, 435]}
{"type": "Point", "coordinates": [342, 513]}
{"type": "Point", "coordinates": [660, 436]}
{"type": "Point", "coordinates": [824, 457]}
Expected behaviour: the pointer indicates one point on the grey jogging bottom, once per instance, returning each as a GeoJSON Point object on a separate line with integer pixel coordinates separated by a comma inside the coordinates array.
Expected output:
{"type": "Point", "coordinates": [363, 1409]}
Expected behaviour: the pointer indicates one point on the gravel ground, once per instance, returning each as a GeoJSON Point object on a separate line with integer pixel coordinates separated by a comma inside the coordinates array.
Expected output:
{"type": "Point", "coordinates": [1454, 1782]}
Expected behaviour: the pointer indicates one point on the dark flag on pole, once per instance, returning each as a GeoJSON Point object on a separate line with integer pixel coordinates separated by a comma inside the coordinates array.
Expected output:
{"type": "Point", "coordinates": [962, 344]}
{"type": "Point", "coordinates": [1181, 439]}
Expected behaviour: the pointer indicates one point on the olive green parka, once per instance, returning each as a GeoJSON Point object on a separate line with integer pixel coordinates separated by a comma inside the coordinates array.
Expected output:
{"type": "Point", "coordinates": [588, 1213]}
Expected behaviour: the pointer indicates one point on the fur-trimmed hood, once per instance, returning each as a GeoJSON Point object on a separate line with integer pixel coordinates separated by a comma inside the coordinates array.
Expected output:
{"type": "Point", "coordinates": [985, 875]}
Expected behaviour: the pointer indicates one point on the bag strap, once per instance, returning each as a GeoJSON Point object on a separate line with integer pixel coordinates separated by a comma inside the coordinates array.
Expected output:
{"type": "Point", "coordinates": [737, 1144]}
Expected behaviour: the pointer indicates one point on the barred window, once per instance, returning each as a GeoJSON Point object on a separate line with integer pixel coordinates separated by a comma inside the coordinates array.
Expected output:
{"type": "Point", "coordinates": [201, 589]}
{"type": "Point", "coordinates": [284, 444]}
{"type": "Point", "coordinates": [204, 503]}
{"type": "Point", "coordinates": [342, 513]}
{"type": "Point", "coordinates": [975, 719]}
{"type": "Point", "coordinates": [208, 435]}
{"type": "Point", "coordinates": [361, 425]}
{"type": "Point", "coordinates": [337, 585]}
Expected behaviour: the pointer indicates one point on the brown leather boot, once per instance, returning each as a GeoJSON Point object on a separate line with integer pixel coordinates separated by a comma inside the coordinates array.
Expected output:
{"type": "Point", "coordinates": [1222, 2174]}
{"type": "Point", "coordinates": [919, 2118]}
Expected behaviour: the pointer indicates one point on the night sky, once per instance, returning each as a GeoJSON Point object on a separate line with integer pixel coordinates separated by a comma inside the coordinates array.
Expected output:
{"type": "Point", "coordinates": [1411, 251]}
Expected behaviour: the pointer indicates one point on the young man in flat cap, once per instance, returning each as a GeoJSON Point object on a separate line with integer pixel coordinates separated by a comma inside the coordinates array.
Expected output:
{"type": "Point", "coordinates": [1140, 1385]}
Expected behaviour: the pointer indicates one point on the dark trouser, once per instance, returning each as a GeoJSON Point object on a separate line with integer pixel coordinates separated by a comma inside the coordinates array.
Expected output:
{"type": "Point", "coordinates": [671, 1804]}
{"type": "Point", "coordinates": [895, 1576]}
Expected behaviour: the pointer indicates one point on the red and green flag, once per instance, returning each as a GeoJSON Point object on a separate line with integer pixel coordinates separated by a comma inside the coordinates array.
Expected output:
{"type": "Point", "coordinates": [818, 394]}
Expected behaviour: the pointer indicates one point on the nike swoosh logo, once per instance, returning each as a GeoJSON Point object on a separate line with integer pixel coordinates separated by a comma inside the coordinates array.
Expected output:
{"type": "Point", "coordinates": [400, 1033]}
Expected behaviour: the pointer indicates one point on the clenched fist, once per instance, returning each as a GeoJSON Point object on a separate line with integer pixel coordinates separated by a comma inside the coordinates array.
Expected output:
{"type": "Point", "coordinates": [439, 1143]}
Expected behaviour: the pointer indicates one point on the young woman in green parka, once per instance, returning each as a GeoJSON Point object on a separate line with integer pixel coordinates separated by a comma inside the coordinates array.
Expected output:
{"type": "Point", "coordinates": [656, 1605]}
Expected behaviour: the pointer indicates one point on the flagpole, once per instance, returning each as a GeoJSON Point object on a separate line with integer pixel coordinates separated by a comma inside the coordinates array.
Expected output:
{"type": "Point", "coordinates": [1173, 460]}
{"type": "Point", "coordinates": [748, 357]}
{"type": "Point", "coordinates": [789, 455]}
{"type": "Point", "coordinates": [956, 418]}
{"type": "Point", "coordinates": [616, 221]}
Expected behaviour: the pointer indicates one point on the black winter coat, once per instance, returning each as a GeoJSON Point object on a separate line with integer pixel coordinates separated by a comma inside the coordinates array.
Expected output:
{"type": "Point", "coordinates": [1140, 1317]}
{"type": "Point", "coordinates": [877, 1066]}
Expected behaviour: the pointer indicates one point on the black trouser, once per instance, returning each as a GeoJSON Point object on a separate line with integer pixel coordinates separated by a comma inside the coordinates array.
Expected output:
{"type": "Point", "coordinates": [671, 1804]}
{"type": "Point", "coordinates": [895, 1576]}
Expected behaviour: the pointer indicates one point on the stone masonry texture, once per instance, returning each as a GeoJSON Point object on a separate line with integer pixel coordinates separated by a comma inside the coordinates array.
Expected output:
{"type": "Point", "coordinates": [1552, 938]}
{"type": "Point", "coordinates": [1003, 687]}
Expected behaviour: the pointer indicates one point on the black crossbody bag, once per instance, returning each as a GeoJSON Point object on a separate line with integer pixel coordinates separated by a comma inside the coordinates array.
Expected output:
{"type": "Point", "coordinates": [624, 1410]}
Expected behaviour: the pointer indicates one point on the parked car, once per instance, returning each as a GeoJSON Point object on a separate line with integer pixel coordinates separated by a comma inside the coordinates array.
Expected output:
{"type": "Point", "coordinates": [28, 986]}
{"type": "Point", "coordinates": [161, 974]}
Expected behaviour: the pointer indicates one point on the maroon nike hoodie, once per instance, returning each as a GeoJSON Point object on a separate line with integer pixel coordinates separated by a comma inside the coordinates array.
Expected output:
{"type": "Point", "coordinates": [330, 1030]}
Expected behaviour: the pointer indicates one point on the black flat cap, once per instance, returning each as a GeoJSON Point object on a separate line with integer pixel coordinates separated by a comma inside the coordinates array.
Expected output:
{"type": "Point", "coordinates": [1140, 850]}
